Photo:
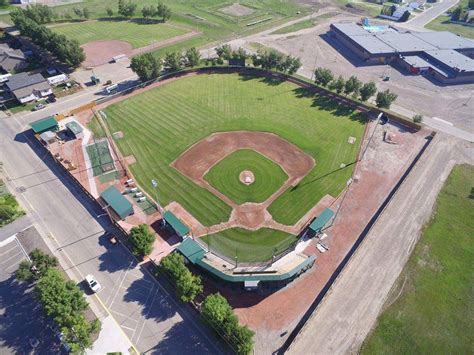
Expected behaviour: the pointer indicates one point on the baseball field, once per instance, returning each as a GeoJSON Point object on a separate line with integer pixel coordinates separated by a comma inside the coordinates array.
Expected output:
{"type": "Point", "coordinates": [161, 124]}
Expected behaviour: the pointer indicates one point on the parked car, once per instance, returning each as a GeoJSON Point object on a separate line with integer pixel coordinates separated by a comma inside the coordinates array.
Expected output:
{"type": "Point", "coordinates": [93, 284]}
{"type": "Point", "coordinates": [39, 107]}
{"type": "Point", "coordinates": [51, 99]}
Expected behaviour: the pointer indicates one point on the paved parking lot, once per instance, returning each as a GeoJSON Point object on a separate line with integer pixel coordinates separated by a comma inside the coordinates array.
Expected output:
{"type": "Point", "coordinates": [21, 318]}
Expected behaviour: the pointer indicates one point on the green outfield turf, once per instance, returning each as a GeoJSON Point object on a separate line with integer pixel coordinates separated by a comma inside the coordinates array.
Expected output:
{"type": "Point", "coordinates": [250, 246]}
{"type": "Point", "coordinates": [434, 309]}
{"type": "Point", "coordinates": [224, 176]}
{"type": "Point", "coordinates": [160, 124]}
{"type": "Point", "coordinates": [137, 34]}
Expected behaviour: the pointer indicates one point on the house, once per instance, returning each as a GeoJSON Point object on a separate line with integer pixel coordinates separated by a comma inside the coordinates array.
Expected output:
{"type": "Point", "coordinates": [27, 88]}
{"type": "Point", "coordinates": [12, 60]}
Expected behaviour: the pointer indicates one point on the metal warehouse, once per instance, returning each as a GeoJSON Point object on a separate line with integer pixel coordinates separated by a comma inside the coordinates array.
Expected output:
{"type": "Point", "coordinates": [443, 56]}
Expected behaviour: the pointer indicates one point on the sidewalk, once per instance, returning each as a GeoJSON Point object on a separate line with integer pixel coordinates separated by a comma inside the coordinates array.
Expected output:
{"type": "Point", "coordinates": [111, 339]}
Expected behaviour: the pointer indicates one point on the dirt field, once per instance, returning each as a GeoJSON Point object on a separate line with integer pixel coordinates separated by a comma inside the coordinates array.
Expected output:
{"type": "Point", "coordinates": [415, 93]}
{"type": "Point", "coordinates": [274, 316]}
{"type": "Point", "coordinates": [237, 10]}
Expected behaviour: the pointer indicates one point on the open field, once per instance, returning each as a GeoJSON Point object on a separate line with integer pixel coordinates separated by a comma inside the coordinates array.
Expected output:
{"type": "Point", "coordinates": [303, 24]}
{"type": "Point", "coordinates": [204, 16]}
{"type": "Point", "coordinates": [441, 23]}
{"type": "Point", "coordinates": [163, 122]}
{"type": "Point", "coordinates": [432, 300]}
{"type": "Point", "coordinates": [138, 34]}
{"type": "Point", "coordinates": [250, 246]}
{"type": "Point", "coordinates": [224, 176]}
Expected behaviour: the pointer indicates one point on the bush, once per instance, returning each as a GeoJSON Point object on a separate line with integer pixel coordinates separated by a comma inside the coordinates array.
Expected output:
{"type": "Point", "coordinates": [36, 268]}
{"type": "Point", "coordinates": [141, 240]}
{"type": "Point", "coordinates": [418, 118]}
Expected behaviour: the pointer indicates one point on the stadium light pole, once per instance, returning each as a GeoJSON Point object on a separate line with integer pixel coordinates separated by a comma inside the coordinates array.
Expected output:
{"type": "Point", "coordinates": [155, 185]}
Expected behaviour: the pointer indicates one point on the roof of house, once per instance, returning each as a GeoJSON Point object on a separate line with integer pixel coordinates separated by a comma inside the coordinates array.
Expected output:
{"type": "Point", "coordinates": [176, 223]}
{"type": "Point", "coordinates": [321, 220]}
{"type": "Point", "coordinates": [117, 202]}
{"type": "Point", "coordinates": [74, 127]}
{"type": "Point", "coordinates": [23, 84]}
{"type": "Point", "coordinates": [45, 124]}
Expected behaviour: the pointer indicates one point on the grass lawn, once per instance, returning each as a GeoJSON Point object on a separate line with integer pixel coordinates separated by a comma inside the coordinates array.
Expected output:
{"type": "Point", "coordinates": [224, 176]}
{"type": "Point", "coordinates": [250, 246]}
{"type": "Point", "coordinates": [9, 207]}
{"type": "Point", "coordinates": [160, 124]}
{"type": "Point", "coordinates": [303, 24]}
{"type": "Point", "coordinates": [441, 23]}
{"type": "Point", "coordinates": [434, 311]}
{"type": "Point", "coordinates": [137, 34]}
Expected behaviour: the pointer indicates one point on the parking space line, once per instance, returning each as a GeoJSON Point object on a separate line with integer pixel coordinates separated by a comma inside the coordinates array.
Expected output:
{"type": "Point", "coordinates": [146, 316]}
{"type": "Point", "coordinates": [13, 256]}
{"type": "Point", "coordinates": [12, 266]}
{"type": "Point", "coordinates": [131, 329]}
{"type": "Point", "coordinates": [123, 315]}
{"type": "Point", "coordinates": [22, 249]}
{"type": "Point", "coordinates": [2, 254]}
{"type": "Point", "coordinates": [119, 285]}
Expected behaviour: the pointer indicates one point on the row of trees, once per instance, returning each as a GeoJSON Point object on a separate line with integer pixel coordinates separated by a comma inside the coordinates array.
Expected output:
{"type": "Point", "coordinates": [215, 309]}
{"type": "Point", "coordinates": [188, 286]}
{"type": "Point", "coordinates": [128, 8]}
{"type": "Point", "coordinates": [61, 300]}
{"type": "Point", "coordinates": [65, 50]}
{"type": "Point", "coordinates": [353, 86]}
{"type": "Point", "coordinates": [274, 60]}
{"type": "Point", "coordinates": [148, 67]}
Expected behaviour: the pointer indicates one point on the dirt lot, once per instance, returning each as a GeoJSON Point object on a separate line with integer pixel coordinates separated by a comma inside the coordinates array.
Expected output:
{"type": "Point", "coordinates": [274, 316]}
{"type": "Point", "coordinates": [102, 52]}
{"type": "Point", "coordinates": [415, 93]}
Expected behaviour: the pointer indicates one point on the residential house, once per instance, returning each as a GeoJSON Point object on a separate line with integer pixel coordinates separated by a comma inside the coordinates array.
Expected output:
{"type": "Point", "coordinates": [12, 60]}
{"type": "Point", "coordinates": [27, 88]}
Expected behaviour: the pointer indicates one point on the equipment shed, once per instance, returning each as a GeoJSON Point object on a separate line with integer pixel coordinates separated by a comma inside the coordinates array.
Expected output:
{"type": "Point", "coordinates": [179, 227]}
{"type": "Point", "coordinates": [318, 224]}
{"type": "Point", "coordinates": [45, 124]}
{"type": "Point", "coordinates": [117, 202]}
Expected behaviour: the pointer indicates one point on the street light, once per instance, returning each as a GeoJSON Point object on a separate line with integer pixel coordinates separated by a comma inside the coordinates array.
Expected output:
{"type": "Point", "coordinates": [155, 185]}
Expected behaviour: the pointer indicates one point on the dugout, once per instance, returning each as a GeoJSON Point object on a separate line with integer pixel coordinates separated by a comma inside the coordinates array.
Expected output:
{"type": "Point", "coordinates": [117, 202]}
{"type": "Point", "coordinates": [319, 222]}
{"type": "Point", "coordinates": [179, 227]}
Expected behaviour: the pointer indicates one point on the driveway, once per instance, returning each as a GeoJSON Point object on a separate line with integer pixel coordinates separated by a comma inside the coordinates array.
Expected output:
{"type": "Point", "coordinates": [151, 318]}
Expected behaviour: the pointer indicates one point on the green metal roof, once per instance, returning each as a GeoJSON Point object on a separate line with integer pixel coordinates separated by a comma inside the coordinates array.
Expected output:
{"type": "Point", "coordinates": [117, 202]}
{"type": "Point", "coordinates": [175, 222]}
{"type": "Point", "coordinates": [191, 250]}
{"type": "Point", "coordinates": [195, 253]}
{"type": "Point", "coordinates": [74, 127]}
{"type": "Point", "coordinates": [45, 124]}
{"type": "Point", "coordinates": [321, 220]}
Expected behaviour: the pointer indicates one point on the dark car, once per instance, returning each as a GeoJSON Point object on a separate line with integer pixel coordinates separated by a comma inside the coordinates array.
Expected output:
{"type": "Point", "coordinates": [51, 99]}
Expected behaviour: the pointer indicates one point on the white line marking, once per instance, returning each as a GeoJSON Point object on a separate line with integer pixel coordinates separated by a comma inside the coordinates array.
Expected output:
{"type": "Point", "coordinates": [443, 121]}
{"type": "Point", "coordinates": [123, 315]}
{"type": "Point", "coordinates": [4, 261]}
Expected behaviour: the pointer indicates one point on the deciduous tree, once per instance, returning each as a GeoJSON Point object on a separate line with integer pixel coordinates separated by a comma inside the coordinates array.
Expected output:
{"type": "Point", "coordinates": [368, 90]}
{"type": "Point", "coordinates": [323, 76]}
{"type": "Point", "coordinates": [141, 239]}
{"type": "Point", "coordinates": [385, 98]}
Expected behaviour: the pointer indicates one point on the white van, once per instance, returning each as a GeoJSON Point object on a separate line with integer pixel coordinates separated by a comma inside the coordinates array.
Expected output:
{"type": "Point", "coordinates": [112, 89]}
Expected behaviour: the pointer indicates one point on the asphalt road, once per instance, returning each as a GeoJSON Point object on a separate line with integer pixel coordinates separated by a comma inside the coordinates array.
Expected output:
{"type": "Point", "coordinates": [420, 21]}
{"type": "Point", "coordinates": [342, 321]}
{"type": "Point", "coordinates": [151, 318]}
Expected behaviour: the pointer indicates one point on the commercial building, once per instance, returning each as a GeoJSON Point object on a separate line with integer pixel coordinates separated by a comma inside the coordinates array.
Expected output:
{"type": "Point", "coordinates": [443, 56]}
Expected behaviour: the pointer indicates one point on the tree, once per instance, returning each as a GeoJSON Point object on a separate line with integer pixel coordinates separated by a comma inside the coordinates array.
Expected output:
{"type": "Point", "coordinates": [77, 11]}
{"type": "Point", "coordinates": [147, 12]}
{"type": "Point", "coordinates": [418, 118]}
{"type": "Point", "coordinates": [338, 84]}
{"type": "Point", "coordinates": [294, 66]}
{"type": "Point", "coordinates": [36, 268]}
{"type": "Point", "coordinates": [126, 9]}
{"type": "Point", "coordinates": [173, 61]}
{"type": "Point", "coordinates": [405, 16]}
{"type": "Point", "coordinates": [323, 76]}
{"type": "Point", "coordinates": [141, 240]}
{"type": "Point", "coordinates": [77, 333]}
{"type": "Point", "coordinates": [188, 286]}
{"type": "Point", "coordinates": [470, 5]}
{"type": "Point", "coordinates": [352, 86]}
{"type": "Point", "coordinates": [85, 12]}
{"type": "Point", "coordinates": [163, 11]}
{"type": "Point", "coordinates": [193, 57]}
{"type": "Point", "coordinates": [385, 98]}
{"type": "Point", "coordinates": [240, 54]}
{"type": "Point", "coordinates": [367, 91]}
{"type": "Point", "coordinates": [146, 66]}
{"type": "Point", "coordinates": [224, 52]}
{"type": "Point", "coordinates": [109, 11]}
{"type": "Point", "coordinates": [456, 14]}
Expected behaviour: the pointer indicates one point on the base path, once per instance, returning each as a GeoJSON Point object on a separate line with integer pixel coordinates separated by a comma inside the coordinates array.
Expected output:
{"type": "Point", "coordinates": [343, 320]}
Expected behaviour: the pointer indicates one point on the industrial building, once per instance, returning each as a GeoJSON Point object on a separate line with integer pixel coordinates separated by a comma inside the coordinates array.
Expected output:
{"type": "Point", "coordinates": [444, 56]}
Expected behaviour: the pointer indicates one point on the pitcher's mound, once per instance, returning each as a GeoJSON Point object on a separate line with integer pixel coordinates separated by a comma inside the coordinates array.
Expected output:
{"type": "Point", "coordinates": [246, 177]}
{"type": "Point", "coordinates": [102, 52]}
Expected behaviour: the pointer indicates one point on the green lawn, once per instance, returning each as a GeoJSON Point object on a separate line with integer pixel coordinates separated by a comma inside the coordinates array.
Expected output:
{"type": "Point", "coordinates": [224, 176]}
{"type": "Point", "coordinates": [434, 313]}
{"type": "Point", "coordinates": [250, 246]}
{"type": "Point", "coordinates": [160, 124]}
{"type": "Point", "coordinates": [303, 24]}
{"type": "Point", "coordinates": [441, 23]}
{"type": "Point", "coordinates": [202, 15]}
{"type": "Point", "coordinates": [100, 158]}
{"type": "Point", "coordinates": [137, 34]}
{"type": "Point", "coordinates": [9, 207]}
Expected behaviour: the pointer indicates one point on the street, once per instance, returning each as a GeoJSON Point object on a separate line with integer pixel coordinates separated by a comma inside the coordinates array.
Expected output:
{"type": "Point", "coordinates": [151, 318]}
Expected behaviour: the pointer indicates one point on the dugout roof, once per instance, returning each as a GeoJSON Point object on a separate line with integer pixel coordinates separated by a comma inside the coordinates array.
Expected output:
{"type": "Point", "coordinates": [45, 124]}
{"type": "Point", "coordinates": [176, 223]}
{"type": "Point", "coordinates": [318, 224]}
{"type": "Point", "coordinates": [116, 201]}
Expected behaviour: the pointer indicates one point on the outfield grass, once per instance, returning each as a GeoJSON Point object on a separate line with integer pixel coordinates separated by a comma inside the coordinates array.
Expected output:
{"type": "Point", "coordinates": [224, 176]}
{"type": "Point", "coordinates": [137, 34]}
{"type": "Point", "coordinates": [303, 24]}
{"type": "Point", "coordinates": [434, 312]}
{"type": "Point", "coordinates": [160, 124]}
{"type": "Point", "coordinates": [250, 246]}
